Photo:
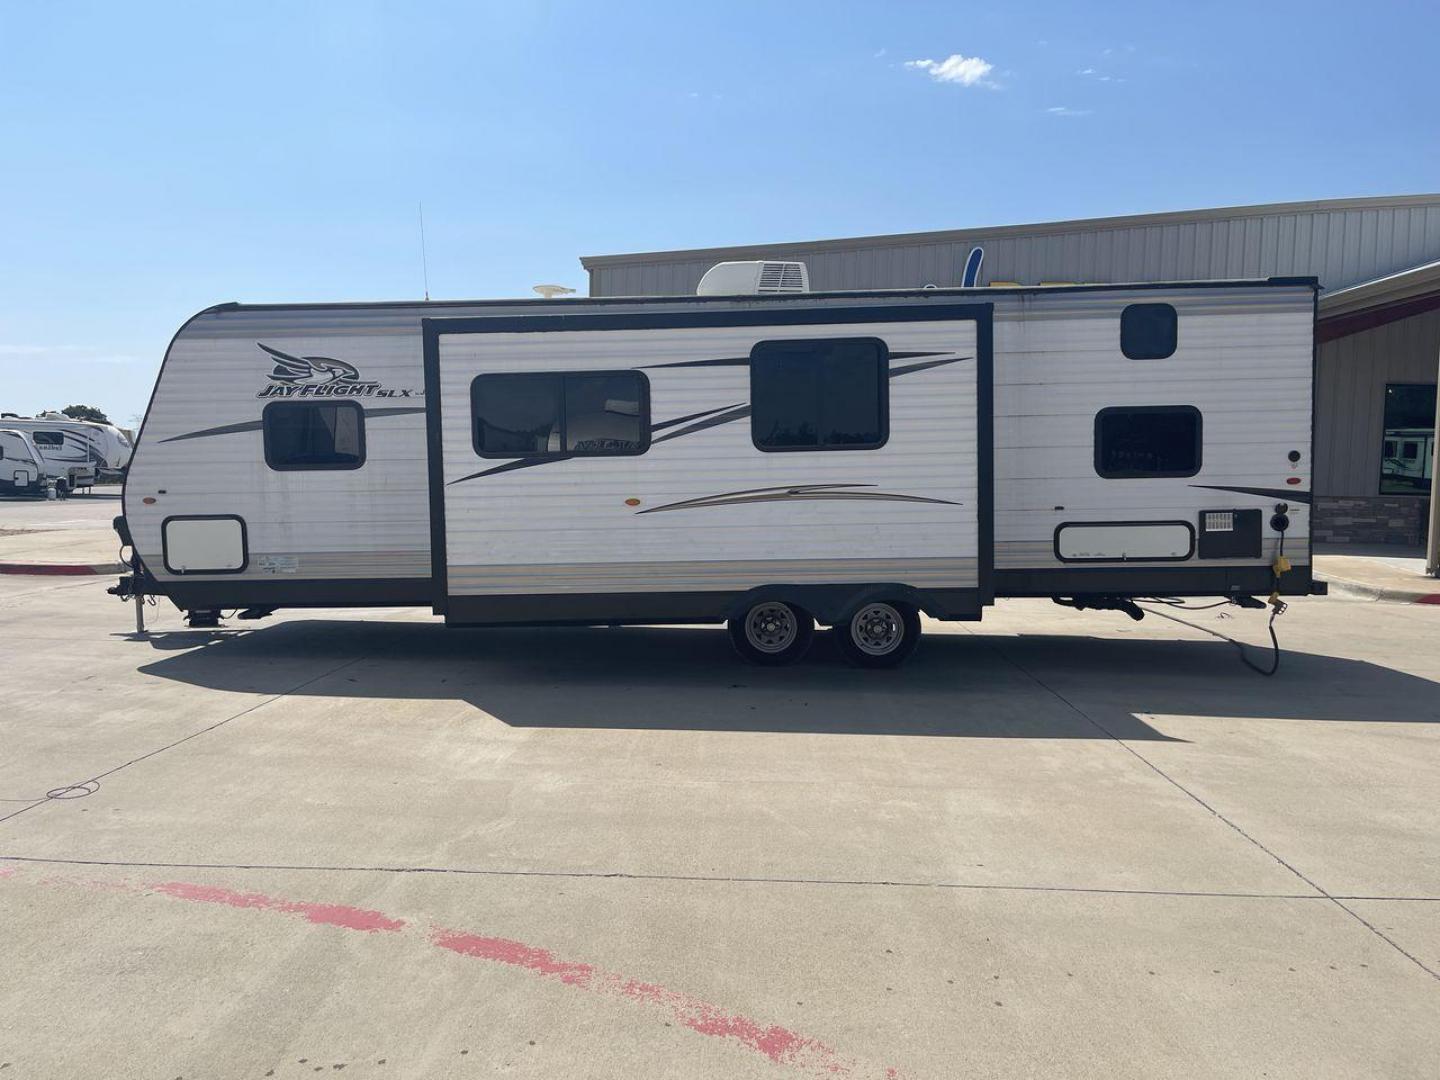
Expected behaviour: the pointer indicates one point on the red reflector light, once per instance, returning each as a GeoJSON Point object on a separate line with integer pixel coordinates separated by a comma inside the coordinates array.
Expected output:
{"type": "Point", "coordinates": [1292, 480]}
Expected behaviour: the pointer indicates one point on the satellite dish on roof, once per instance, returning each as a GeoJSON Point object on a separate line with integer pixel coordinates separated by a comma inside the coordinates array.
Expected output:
{"type": "Point", "coordinates": [549, 292]}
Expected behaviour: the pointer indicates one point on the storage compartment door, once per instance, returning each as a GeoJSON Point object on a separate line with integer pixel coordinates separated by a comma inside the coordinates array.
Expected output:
{"type": "Point", "coordinates": [210, 544]}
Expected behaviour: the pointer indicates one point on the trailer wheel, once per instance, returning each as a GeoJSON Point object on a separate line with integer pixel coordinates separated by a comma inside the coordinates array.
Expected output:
{"type": "Point", "coordinates": [880, 634]}
{"type": "Point", "coordinates": [62, 488]}
{"type": "Point", "coordinates": [772, 633]}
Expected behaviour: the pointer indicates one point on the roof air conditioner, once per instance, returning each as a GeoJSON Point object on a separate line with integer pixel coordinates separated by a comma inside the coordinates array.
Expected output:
{"type": "Point", "coordinates": [748, 278]}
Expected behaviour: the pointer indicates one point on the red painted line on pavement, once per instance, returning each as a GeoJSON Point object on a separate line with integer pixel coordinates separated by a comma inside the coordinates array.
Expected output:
{"type": "Point", "coordinates": [778, 1044]}
{"type": "Point", "coordinates": [350, 918]}
{"type": "Point", "coordinates": [1432, 598]}
{"type": "Point", "coordinates": [60, 569]}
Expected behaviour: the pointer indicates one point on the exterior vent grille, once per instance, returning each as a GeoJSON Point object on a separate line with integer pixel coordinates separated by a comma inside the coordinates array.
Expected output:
{"type": "Point", "coordinates": [1219, 521]}
{"type": "Point", "coordinates": [754, 276]}
{"type": "Point", "coordinates": [781, 277]}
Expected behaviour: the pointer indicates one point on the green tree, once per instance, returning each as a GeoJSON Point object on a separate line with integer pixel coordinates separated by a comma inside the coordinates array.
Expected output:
{"type": "Point", "coordinates": [85, 412]}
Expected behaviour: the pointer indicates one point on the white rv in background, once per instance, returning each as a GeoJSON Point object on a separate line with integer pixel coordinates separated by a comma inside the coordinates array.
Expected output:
{"type": "Point", "coordinates": [22, 469]}
{"type": "Point", "coordinates": [770, 460]}
{"type": "Point", "coordinates": [77, 452]}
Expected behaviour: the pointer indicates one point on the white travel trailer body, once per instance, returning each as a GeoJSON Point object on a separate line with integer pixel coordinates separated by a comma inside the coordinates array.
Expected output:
{"type": "Point", "coordinates": [22, 469]}
{"type": "Point", "coordinates": [78, 452]}
{"type": "Point", "coordinates": [685, 459]}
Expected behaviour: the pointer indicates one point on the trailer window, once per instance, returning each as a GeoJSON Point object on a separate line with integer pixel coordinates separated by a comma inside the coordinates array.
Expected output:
{"type": "Point", "coordinates": [303, 435]}
{"type": "Point", "coordinates": [564, 414]}
{"type": "Point", "coordinates": [1148, 331]}
{"type": "Point", "coordinates": [1148, 440]}
{"type": "Point", "coordinates": [48, 438]}
{"type": "Point", "coordinates": [829, 394]}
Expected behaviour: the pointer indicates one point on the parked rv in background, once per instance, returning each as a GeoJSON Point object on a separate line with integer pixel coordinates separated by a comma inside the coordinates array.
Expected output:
{"type": "Point", "coordinates": [77, 452]}
{"type": "Point", "coordinates": [22, 470]}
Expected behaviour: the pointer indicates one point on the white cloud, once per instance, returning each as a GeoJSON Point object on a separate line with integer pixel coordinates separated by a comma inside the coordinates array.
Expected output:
{"type": "Point", "coordinates": [1066, 110]}
{"type": "Point", "coordinates": [965, 70]}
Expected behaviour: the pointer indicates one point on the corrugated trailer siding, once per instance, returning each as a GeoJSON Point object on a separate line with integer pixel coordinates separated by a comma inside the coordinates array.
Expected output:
{"type": "Point", "coordinates": [1350, 397]}
{"type": "Point", "coordinates": [1349, 242]}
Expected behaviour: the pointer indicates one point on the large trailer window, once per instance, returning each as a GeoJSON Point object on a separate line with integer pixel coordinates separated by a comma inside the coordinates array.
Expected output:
{"type": "Point", "coordinates": [1407, 448]}
{"type": "Point", "coordinates": [828, 394]}
{"type": "Point", "coordinates": [1147, 440]}
{"type": "Point", "coordinates": [314, 435]}
{"type": "Point", "coordinates": [564, 414]}
{"type": "Point", "coordinates": [1149, 331]}
{"type": "Point", "coordinates": [48, 438]}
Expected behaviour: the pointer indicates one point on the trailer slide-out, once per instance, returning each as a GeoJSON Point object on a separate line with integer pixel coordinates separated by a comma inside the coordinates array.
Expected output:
{"type": "Point", "coordinates": [769, 461]}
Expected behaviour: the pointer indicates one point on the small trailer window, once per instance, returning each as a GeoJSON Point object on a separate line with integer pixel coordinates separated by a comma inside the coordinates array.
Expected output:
{"type": "Point", "coordinates": [565, 414]}
{"type": "Point", "coordinates": [1148, 331]}
{"type": "Point", "coordinates": [1147, 440]}
{"type": "Point", "coordinates": [303, 435]}
{"type": "Point", "coordinates": [828, 394]}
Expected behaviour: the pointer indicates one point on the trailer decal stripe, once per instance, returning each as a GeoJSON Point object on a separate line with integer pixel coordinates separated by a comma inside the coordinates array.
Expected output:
{"type": "Point", "coordinates": [714, 417]}
{"type": "Point", "coordinates": [1284, 494]}
{"type": "Point", "coordinates": [797, 491]}
{"type": "Point", "coordinates": [255, 425]}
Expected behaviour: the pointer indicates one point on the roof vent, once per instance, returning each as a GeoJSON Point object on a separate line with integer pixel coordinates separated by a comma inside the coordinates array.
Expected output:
{"type": "Point", "coordinates": [748, 278]}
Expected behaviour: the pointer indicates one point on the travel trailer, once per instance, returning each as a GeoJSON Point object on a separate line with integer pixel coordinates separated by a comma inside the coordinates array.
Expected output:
{"type": "Point", "coordinates": [768, 460]}
{"type": "Point", "coordinates": [22, 469]}
{"type": "Point", "coordinates": [77, 452]}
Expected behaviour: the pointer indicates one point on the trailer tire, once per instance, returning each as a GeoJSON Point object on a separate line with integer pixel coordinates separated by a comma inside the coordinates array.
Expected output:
{"type": "Point", "coordinates": [772, 633]}
{"type": "Point", "coordinates": [62, 488]}
{"type": "Point", "coordinates": [879, 634]}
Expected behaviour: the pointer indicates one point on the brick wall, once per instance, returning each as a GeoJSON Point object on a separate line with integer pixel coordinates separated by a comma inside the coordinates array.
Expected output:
{"type": "Point", "coordinates": [1370, 519]}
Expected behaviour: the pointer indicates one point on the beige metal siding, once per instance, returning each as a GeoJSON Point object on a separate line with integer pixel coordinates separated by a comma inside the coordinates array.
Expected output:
{"type": "Point", "coordinates": [1350, 398]}
{"type": "Point", "coordinates": [1342, 242]}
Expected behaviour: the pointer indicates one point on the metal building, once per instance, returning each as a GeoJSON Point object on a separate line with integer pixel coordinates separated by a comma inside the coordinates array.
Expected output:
{"type": "Point", "coordinates": [1378, 261]}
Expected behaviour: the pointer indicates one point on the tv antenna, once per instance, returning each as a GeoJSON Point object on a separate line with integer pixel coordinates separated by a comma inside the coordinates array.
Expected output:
{"type": "Point", "coordinates": [424, 262]}
{"type": "Point", "coordinates": [549, 292]}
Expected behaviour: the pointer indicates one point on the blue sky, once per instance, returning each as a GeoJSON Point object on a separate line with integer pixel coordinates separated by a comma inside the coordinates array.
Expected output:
{"type": "Point", "coordinates": [156, 159]}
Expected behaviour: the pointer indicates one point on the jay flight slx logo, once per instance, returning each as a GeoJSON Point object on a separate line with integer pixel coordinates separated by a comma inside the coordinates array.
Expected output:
{"type": "Point", "coordinates": [321, 376]}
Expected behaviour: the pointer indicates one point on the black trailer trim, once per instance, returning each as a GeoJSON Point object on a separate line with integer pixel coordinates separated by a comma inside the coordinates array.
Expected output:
{"type": "Point", "coordinates": [461, 610]}
{"type": "Point", "coordinates": [1130, 580]}
{"type": "Point", "coordinates": [190, 595]}
{"type": "Point", "coordinates": [830, 604]}
{"type": "Point", "coordinates": [975, 294]}
{"type": "Point", "coordinates": [435, 462]}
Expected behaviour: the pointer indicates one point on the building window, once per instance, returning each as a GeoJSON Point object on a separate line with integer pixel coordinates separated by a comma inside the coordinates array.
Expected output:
{"type": "Point", "coordinates": [1407, 447]}
{"type": "Point", "coordinates": [564, 414]}
{"type": "Point", "coordinates": [314, 435]}
{"type": "Point", "coordinates": [1147, 440]}
{"type": "Point", "coordinates": [1148, 331]}
{"type": "Point", "coordinates": [828, 394]}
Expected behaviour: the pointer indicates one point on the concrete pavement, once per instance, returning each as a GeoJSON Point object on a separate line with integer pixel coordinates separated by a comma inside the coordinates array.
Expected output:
{"type": "Point", "coordinates": [41, 535]}
{"type": "Point", "coordinates": [1054, 844]}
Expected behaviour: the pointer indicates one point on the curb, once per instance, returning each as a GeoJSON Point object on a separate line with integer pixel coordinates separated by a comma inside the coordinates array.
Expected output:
{"type": "Point", "coordinates": [63, 569]}
{"type": "Point", "coordinates": [1356, 590]}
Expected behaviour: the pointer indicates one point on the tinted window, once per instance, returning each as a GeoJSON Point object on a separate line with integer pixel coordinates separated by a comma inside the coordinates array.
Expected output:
{"type": "Point", "coordinates": [590, 414]}
{"type": "Point", "coordinates": [1407, 449]}
{"type": "Point", "coordinates": [48, 438]}
{"type": "Point", "coordinates": [302, 435]}
{"type": "Point", "coordinates": [819, 395]}
{"type": "Point", "coordinates": [1148, 331]}
{"type": "Point", "coordinates": [1152, 440]}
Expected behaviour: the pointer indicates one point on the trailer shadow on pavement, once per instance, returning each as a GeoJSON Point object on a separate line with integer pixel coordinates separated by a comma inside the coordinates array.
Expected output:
{"type": "Point", "coordinates": [966, 684]}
